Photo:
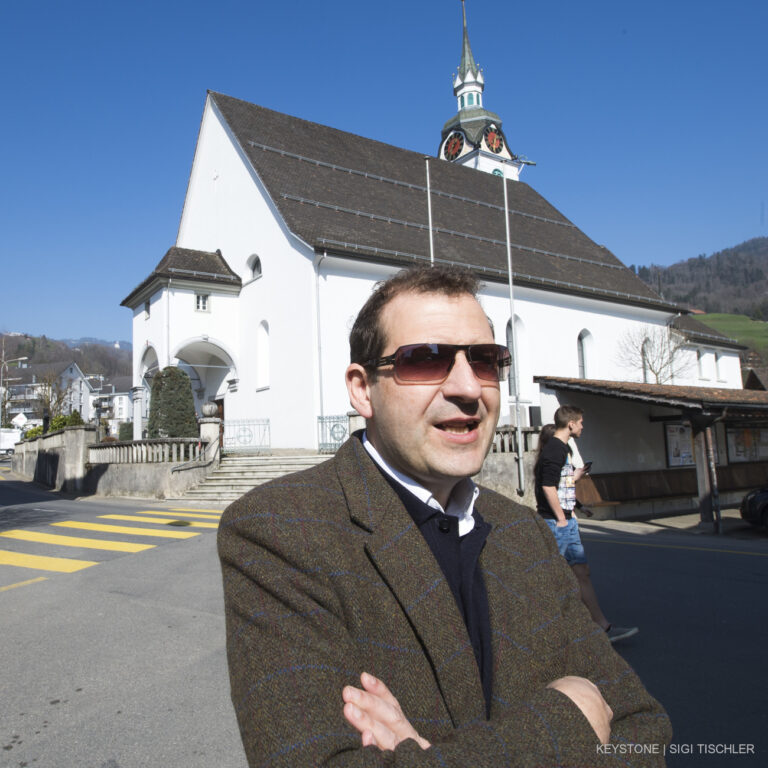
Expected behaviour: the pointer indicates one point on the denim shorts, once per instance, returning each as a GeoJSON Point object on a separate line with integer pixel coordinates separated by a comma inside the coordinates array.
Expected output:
{"type": "Point", "coordinates": [569, 541]}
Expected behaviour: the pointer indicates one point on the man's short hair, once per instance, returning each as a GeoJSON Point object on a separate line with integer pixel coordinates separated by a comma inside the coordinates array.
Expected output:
{"type": "Point", "coordinates": [366, 340]}
{"type": "Point", "coordinates": [566, 414]}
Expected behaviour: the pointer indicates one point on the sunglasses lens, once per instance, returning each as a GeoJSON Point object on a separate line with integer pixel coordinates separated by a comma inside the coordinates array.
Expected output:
{"type": "Point", "coordinates": [423, 362]}
{"type": "Point", "coordinates": [432, 362]}
{"type": "Point", "coordinates": [488, 361]}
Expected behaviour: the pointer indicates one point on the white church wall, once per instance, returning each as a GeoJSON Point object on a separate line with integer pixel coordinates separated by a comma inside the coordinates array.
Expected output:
{"type": "Point", "coordinates": [227, 208]}
{"type": "Point", "coordinates": [148, 330]}
{"type": "Point", "coordinates": [345, 286]}
{"type": "Point", "coordinates": [551, 324]}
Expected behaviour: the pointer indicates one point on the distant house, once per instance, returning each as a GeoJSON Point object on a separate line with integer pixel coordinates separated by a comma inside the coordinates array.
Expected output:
{"type": "Point", "coordinates": [113, 399]}
{"type": "Point", "coordinates": [59, 387]}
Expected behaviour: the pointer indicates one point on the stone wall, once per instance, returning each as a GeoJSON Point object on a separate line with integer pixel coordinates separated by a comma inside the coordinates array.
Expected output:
{"type": "Point", "coordinates": [57, 459]}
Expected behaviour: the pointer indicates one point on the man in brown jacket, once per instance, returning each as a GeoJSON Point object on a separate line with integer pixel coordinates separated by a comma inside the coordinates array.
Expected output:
{"type": "Point", "coordinates": [383, 610]}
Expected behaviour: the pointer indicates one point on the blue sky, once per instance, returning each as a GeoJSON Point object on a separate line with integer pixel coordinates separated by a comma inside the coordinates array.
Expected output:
{"type": "Point", "coordinates": [648, 121]}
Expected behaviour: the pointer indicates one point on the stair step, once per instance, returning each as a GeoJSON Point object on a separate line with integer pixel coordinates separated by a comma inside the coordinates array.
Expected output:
{"type": "Point", "coordinates": [236, 475]}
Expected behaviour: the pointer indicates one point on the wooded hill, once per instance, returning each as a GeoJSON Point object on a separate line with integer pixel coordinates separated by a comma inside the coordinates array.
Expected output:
{"type": "Point", "coordinates": [733, 281]}
{"type": "Point", "coordinates": [91, 357]}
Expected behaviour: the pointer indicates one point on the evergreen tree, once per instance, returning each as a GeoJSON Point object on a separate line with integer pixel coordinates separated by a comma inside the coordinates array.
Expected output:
{"type": "Point", "coordinates": [125, 431]}
{"type": "Point", "coordinates": [172, 408]}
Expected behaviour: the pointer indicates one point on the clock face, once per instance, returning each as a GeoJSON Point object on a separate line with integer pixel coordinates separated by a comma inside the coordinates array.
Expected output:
{"type": "Point", "coordinates": [493, 139]}
{"type": "Point", "coordinates": [453, 146]}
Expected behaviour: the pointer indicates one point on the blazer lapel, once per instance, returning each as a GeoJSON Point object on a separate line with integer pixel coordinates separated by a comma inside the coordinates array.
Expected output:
{"type": "Point", "coordinates": [405, 562]}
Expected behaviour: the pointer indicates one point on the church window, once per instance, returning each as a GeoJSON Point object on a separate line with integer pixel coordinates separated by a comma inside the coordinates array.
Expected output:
{"type": "Point", "coordinates": [583, 348]}
{"type": "Point", "coordinates": [254, 264]}
{"type": "Point", "coordinates": [471, 99]}
{"type": "Point", "coordinates": [262, 356]}
{"type": "Point", "coordinates": [462, 102]}
{"type": "Point", "coordinates": [201, 302]}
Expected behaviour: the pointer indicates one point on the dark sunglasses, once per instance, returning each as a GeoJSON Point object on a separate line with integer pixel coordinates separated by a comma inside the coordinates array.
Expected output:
{"type": "Point", "coordinates": [431, 363]}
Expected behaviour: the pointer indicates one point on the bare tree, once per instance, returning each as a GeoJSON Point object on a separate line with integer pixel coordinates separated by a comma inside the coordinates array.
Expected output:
{"type": "Point", "coordinates": [52, 395]}
{"type": "Point", "coordinates": [653, 353]}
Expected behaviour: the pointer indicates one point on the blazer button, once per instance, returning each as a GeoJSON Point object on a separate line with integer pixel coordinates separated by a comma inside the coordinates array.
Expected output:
{"type": "Point", "coordinates": [444, 524]}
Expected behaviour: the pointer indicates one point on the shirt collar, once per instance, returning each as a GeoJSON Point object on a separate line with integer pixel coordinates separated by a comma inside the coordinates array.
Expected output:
{"type": "Point", "coordinates": [461, 503]}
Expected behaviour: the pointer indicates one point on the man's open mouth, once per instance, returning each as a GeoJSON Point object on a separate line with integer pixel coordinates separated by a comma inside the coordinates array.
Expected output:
{"type": "Point", "coordinates": [458, 428]}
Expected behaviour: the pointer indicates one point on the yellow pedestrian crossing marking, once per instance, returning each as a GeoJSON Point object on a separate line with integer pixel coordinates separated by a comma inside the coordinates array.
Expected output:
{"type": "Point", "coordinates": [76, 541]}
{"type": "Point", "coordinates": [43, 563]}
{"type": "Point", "coordinates": [127, 529]}
{"type": "Point", "coordinates": [142, 519]}
{"type": "Point", "coordinates": [177, 516]}
{"type": "Point", "coordinates": [23, 583]}
{"type": "Point", "coordinates": [197, 509]}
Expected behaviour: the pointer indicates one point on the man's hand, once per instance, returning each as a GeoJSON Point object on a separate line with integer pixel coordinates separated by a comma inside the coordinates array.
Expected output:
{"type": "Point", "coordinates": [376, 714]}
{"type": "Point", "coordinates": [587, 697]}
{"type": "Point", "coordinates": [550, 493]}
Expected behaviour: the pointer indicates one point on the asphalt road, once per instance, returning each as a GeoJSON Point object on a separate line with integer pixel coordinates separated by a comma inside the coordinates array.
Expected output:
{"type": "Point", "coordinates": [699, 601]}
{"type": "Point", "coordinates": [121, 664]}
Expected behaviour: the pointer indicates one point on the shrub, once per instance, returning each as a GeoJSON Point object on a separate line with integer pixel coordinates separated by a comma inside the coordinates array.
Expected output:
{"type": "Point", "coordinates": [58, 422]}
{"type": "Point", "coordinates": [172, 408]}
{"type": "Point", "coordinates": [30, 434]}
{"type": "Point", "coordinates": [75, 419]}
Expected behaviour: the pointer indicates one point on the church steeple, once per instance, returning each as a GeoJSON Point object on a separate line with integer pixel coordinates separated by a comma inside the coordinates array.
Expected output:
{"type": "Point", "coordinates": [468, 83]}
{"type": "Point", "coordinates": [473, 136]}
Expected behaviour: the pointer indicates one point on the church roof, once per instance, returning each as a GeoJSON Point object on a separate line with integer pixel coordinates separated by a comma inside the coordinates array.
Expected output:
{"type": "Point", "coordinates": [694, 330]}
{"type": "Point", "coordinates": [187, 264]}
{"type": "Point", "coordinates": [363, 199]}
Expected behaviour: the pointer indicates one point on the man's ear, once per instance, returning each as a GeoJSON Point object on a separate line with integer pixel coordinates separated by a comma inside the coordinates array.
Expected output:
{"type": "Point", "coordinates": [359, 390]}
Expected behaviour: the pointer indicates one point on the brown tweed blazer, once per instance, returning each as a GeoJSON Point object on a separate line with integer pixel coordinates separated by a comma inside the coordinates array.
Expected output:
{"type": "Point", "coordinates": [326, 576]}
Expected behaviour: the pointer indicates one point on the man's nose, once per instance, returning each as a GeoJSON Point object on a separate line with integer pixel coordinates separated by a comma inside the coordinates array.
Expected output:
{"type": "Point", "coordinates": [462, 382]}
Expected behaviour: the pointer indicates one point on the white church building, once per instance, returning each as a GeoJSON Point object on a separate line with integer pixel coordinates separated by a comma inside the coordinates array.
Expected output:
{"type": "Point", "coordinates": [287, 225]}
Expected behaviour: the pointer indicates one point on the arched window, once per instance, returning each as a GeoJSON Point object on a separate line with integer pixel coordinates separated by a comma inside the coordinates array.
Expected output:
{"type": "Point", "coordinates": [254, 264]}
{"type": "Point", "coordinates": [262, 355]}
{"type": "Point", "coordinates": [583, 350]}
{"type": "Point", "coordinates": [462, 102]}
{"type": "Point", "coordinates": [471, 99]}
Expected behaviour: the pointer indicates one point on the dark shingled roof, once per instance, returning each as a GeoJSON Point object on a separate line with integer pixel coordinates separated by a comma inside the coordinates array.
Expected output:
{"type": "Point", "coordinates": [692, 398]}
{"type": "Point", "coordinates": [117, 385]}
{"type": "Point", "coordinates": [694, 330]}
{"type": "Point", "coordinates": [37, 371]}
{"type": "Point", "coordinates": [188, 264]}
{"type": "Point", "coordinates": [361, 198]}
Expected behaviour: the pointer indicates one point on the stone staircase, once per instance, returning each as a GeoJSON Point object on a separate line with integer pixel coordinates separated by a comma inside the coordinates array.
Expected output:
{"type": "Point", "coordinates": [237, 474]}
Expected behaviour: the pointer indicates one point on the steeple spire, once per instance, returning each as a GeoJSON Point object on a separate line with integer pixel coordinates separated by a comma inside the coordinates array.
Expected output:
{"type": "Point", "coordinates": [469, 82]}
{"type": "Point", "coordinates": [467, 65]}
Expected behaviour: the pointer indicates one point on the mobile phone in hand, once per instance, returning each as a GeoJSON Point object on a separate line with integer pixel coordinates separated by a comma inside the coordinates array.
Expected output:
{"type": "Point", "coordinates": [587, 467]}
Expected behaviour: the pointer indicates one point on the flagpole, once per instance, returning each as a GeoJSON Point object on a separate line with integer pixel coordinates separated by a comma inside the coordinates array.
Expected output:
{"type": "Point", "coordinates": [515, 369]}
{"type": "Point", "coordinates": [429, 214]}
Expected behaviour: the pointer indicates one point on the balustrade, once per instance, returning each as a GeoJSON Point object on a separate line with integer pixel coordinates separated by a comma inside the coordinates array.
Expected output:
{"type": "Point", "coordinates": [176, 450]}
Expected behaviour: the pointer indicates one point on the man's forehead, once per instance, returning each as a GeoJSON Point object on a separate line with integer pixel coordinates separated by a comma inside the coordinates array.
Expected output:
{"type": "Point", "coordinates": [412, 305]}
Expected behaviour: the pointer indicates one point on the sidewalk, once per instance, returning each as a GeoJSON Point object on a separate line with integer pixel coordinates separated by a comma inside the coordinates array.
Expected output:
{"type": "Point", "coordinates": [732, 525]}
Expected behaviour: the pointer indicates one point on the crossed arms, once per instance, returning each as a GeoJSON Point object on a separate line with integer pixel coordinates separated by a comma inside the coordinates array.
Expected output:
{"type": "Point", "coordinates": [307, 613]}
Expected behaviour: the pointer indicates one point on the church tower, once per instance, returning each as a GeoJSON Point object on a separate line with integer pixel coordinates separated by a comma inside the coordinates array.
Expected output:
{"type": "Point", "coordinates": [473, 136]}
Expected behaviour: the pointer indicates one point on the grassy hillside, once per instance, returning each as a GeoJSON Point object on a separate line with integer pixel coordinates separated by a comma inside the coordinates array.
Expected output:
{"type": "Point", "coordinates": [751, 333]}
